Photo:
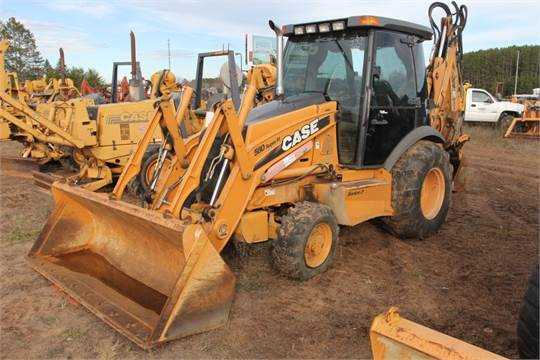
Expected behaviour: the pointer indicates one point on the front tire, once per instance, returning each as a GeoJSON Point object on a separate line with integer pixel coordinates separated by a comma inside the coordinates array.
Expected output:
{"type": "Point", "coordinates": [142, 182]}
{"type": "Point", "coordinates": [307, 241]}
{"type": "Point", "coordinates": [504, 121]}
{"type": "Point", "coordinates": [421, 191]}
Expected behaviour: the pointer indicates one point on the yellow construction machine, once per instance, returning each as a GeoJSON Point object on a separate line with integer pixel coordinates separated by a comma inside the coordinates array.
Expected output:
{"type": "Point", "coordinates": [528, 125]}
{"type": "Point", "coordinates": [97, 139]}
{"type": "Point", "coordinates": [33, 92]}
{"type": "Point", "coordinates": [358, 129]}
{"type": "Point", "coordinates": [94, 139]}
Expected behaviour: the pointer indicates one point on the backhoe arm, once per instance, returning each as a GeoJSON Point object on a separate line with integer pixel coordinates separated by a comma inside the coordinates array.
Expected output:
{"type": "Point", "coordinates": [59, 135]}
{"type": "Point", "coordinates": [444, 77]}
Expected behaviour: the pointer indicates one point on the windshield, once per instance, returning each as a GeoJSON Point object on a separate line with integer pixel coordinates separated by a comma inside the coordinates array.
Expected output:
{"type": "Point", "coordinates": [332, 65]}
{"type": "Point", "coordinates": [325, 64]}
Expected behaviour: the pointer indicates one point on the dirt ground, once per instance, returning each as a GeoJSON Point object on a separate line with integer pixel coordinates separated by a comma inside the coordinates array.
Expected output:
{"type": "Point", "coordinates": [467, 281]}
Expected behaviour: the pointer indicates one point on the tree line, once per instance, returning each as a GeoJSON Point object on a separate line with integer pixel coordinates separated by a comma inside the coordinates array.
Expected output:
{"type": "Point", "coordinates": [487, 68]}
{"type": "Point", "coordinates": [23, 58]}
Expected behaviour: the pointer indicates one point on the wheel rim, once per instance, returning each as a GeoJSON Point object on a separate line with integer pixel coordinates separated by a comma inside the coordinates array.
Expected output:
{"type": "Point", "coordinates": [318, 245]}
{"type": "Point", "coordinates": [149, 175]}
{"type": "Point", "coordinates": [432, 195]}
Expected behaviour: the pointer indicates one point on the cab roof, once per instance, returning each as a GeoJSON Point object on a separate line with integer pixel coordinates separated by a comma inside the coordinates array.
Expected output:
{"type": "Point", "coordinates": [364, 21]}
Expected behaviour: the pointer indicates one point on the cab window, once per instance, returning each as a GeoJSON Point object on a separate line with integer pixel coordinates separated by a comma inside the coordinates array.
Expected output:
{"type": "Point", "coordinates": [331, 65]}
{"type": "Point", "coordinates": [481, 97]}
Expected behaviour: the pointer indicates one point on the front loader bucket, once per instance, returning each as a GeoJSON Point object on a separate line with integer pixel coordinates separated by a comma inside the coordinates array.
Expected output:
{"type": "Point", "coordinates": [151, 278]}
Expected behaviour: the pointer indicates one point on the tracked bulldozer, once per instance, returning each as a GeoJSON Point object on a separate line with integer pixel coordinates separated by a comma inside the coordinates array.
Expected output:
{"type": "Point", "coordinates": [358, 129]}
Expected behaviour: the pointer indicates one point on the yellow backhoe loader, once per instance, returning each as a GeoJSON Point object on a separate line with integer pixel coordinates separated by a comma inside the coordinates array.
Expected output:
{"type": "Point", "coordinates": [358, 130]}
{"type": "Point", "coordinates": [93, 139]}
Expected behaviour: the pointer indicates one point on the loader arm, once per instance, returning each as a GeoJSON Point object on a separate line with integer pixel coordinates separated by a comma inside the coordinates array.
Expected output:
{"type": "Point", "coordinates": [170, 124]}
{"type": "Point", "coordinates": [225, 120]}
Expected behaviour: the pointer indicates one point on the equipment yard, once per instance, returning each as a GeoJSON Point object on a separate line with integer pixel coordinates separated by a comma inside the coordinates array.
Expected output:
{"type": "Point", "coordinates": [466, 281]}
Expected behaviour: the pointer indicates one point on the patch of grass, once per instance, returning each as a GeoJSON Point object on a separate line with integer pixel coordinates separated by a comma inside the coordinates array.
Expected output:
{"type": "Point", "coordinates": [54, 352]}
{"type": "Point", "coordinates": [418, 274]}
{"type": "Point", "coordinates": [108, 350]}
{"type": "Point", "coordinates": [49, 319]}
{"type": "Point", "coordinates": [486, 134]}
{"type": "Point", "coordinates": [22, 229]}
{"type": "Point", "coordinates": [19, 235]}
{"type": "Point", "coordinates": [72, 334]}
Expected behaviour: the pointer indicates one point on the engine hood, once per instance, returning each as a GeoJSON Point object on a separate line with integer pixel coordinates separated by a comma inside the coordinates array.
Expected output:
{"type": "Point", "coordinates": [510, 106]}
{"type": "Point", "coordinates": [282, 106]}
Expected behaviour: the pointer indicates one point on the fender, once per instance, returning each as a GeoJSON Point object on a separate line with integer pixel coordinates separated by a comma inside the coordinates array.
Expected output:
{"type": "Point", "coordinates": [420, 133]}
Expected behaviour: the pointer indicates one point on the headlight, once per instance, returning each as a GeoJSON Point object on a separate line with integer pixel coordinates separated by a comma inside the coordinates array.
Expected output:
{"type": "Point", "coordinates": [338, 25]}
{"type": "Point", "coordinates": [311, 29]}
{"type": "Point", "coordinates": [298, 30]}
{"type": "Point", "coordinates": [324, 27]}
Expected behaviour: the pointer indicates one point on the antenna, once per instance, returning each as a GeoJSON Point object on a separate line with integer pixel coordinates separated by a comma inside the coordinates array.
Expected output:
{"type": "Point", "coordinates": [169, 52]}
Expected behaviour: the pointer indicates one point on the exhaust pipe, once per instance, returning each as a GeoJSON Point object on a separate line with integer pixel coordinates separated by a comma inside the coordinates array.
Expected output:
{"type": "Point", "coordinates": [279, 39]}
{"type": "Point", "coordinates": [133, 56]}
{"type": "Point", "coordinates": [136, 88]}
{"type": "Point", "coordinates": [62, 66]}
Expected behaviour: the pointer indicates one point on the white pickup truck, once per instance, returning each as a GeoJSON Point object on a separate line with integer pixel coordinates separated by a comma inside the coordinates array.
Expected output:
{"type": "Point", "coordinates": [481, 106]}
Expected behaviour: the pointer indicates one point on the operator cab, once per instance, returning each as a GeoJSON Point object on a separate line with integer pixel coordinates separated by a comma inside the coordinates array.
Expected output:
{"type": "Point", "coordinates": [373, 67]}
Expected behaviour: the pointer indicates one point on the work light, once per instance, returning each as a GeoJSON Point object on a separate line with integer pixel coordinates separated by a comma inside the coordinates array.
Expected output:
{"type": "Point", "coordinates": [338, 25]}
{"type": "Point", "coordinates": [311, 29]}
{"type": "Point", "coordinates": [325, 27]}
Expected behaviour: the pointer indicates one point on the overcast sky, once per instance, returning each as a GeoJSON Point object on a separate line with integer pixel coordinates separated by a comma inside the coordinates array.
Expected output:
{"type": "Point", "coordinates": [96, 33]}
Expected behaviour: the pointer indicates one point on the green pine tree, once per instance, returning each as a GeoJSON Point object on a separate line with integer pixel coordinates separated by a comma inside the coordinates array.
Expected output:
{"type": "Point", "coordinates": [22, 55]}
{"type": "Point", "coordinates": [485, 68]}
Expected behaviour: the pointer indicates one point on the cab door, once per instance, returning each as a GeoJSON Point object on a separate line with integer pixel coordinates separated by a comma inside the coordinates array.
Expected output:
{"type": "Point", "coordinates": [482, 107]}
{"type": "Point", "coordinates": [396, 104]}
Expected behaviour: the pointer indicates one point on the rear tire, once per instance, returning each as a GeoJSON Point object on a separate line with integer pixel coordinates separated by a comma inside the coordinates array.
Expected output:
{"type": "Point", "coordinates": [307, 241]}
{"type": "Point", "coordinates": [528, 326]}
{"type": "Point", "coordinates": [421, 191]}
